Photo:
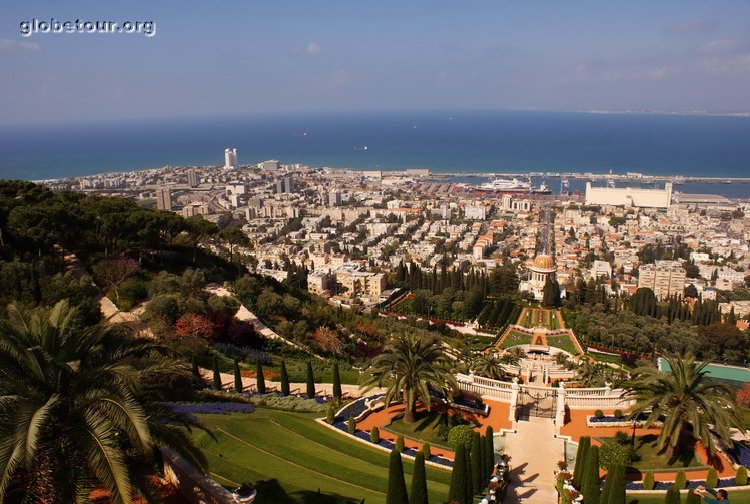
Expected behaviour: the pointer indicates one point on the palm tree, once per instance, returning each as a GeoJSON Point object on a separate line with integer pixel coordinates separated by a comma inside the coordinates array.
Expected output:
{"type": "Point", "coordinates": [411, 366]}
{"type": "Point", "coordinates": [76, 408]}
{"type": "Point", "coordinates": [489, 366]}
{"type": "Point", "coordinates": [592, 374]}
{"type": "Point", "coordinates": [513, 356]}
{"type": "Point", "coordinates": [686, 401]}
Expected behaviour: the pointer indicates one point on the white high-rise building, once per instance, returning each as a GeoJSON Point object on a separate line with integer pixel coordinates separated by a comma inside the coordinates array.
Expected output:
{"type": "Point", "coordinates": [230, 158]}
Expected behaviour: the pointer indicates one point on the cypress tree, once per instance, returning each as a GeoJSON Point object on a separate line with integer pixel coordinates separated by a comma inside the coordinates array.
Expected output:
{"type": "Point", "coordinates": [680, 480]}
{"type": "Point", "coordinates": [469, 477]}
{"type": "Point", "coordinates": [284, 380]}
{"type": "Point", "coordinates": [425, 450]}
{"type": "Point", "coordinates": [396, 483]}
{"type": "Point", "coordinates": [477, 476]}
{"type": "Point", "coordinates": [483, 459]}
{"type": "Point", "coordinates": [583, 447]}
{"type": "Point", "coordinates": [260, 380]}
{"type": "Point", "coordinates": [458, 486]}
{"type": "Point", "coordinates": [590, 489]}
{"type": "Point", "coordinates": [336, 382]}
{"type": "Point", "coordinates": [237, 377]}
{"type": "Point", "coordinates": [607, 488]}
{"type": "Point", "coordinates": [217, 374]}
{"type": "Point", "coordinates": [489, 437]}
{"type": "Point", "coordinates": [310, 381]}
{"type": "Point", "coordinates": [419, 481]}
{"type": "Point", "coordinates": [693, 498]}
{"type": "Point", "coordinates": [672, 496]}
{"type": "Point", "coordinates": [614, 486]}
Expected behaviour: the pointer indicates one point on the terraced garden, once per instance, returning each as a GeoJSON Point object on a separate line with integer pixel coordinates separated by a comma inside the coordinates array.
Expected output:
{"type": "Point", "coordinates": [540, 317]}
{"type": "Point", "coordinates": [563, 342]}
{"type": "Point", "coordinates": [290, 457]}
{"type": "Point", "coordinates": [513, 338]}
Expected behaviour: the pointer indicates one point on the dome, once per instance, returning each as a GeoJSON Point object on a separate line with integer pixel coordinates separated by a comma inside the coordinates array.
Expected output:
{"type": "Point", "coordinates": [544, 262]}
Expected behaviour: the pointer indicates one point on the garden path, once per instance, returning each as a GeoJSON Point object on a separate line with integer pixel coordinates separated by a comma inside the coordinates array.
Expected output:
{"type": "Point", "coordinates": [534, 452]}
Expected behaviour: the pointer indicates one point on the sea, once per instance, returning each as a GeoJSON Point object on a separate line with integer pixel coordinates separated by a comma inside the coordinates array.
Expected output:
{"type": "Point", "coordinates": [471, 142]}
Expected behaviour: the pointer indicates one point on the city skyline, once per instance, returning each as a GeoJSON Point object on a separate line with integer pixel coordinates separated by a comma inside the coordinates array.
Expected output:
{"type": "Point", "coordinates": [214, 60]}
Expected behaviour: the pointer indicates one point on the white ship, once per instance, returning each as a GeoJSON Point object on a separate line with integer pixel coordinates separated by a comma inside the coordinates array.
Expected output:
{"type": "Point", "coordinates": [514, 185]}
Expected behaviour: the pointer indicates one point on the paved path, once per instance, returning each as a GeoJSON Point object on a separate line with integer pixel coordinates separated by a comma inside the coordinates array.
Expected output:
{"type": "Point", "coordinates": [534, 452]}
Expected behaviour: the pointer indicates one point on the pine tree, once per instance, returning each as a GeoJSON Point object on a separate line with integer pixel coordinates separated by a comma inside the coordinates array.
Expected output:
{"type": "Point", "coordinates": [396, 483]}
{"type": "Point", "coordinates": [579, 469]}
{"type": "Point", "coordinates": [284, 377]}
{"type": "Point", "coordinates": [419, 481]}
{"type": "Point", "coordinates": [217, 374]}
{"type": "Point", "coordinates": [336, 382]}
{"type": "Point", "coordinates": [260, 380]}
{"type": "Point", "coordinates": [489, 445]}
{"type": "Point", "coordinates": [237, 377]}
{"type": "Point", "coordinates": [672, 496]}
{"type": "Point", "coordinates": [590, 489]}
{"type": "Point", "coordinates": [457, 491]}
{"type": "Point", "coordinates": [310, 381]}
{"type": "Point", "coordinates": [477, 477]}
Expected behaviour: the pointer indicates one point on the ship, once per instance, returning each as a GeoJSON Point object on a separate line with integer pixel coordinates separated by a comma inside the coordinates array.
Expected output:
{"type": "Point", "coordinates": [514, 186]}
{"type": "Point", "coordinates": [363, 148]}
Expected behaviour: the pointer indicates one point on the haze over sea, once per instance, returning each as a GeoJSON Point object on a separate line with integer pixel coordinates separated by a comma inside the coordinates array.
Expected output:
{"type": "Point", "coordinates": [468, 142]}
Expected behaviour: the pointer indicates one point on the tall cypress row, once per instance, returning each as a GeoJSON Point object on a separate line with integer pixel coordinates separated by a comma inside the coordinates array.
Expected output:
{"type": "Point", "coordinates": [217, 374]}
{"type": "Point", "coordinates": [457, 491]}
{"type": "Point", "coordinates": [590, 489]}
{"type": "Point", "coordinates": [672, 496]}
{"type": "Point", "coordinates": [483, 459]}
{"type": "Point", "coordinates": [310, 381]}
{"type": "Point", "coordinates": [284, 378]}
{"type": "Point", "coordinates": [477, 477]}
{"type": "Point", "coordinates": [260, 380]}
{"type": "Point", "coordinates": [489, 440]}
{"type": "Point", "coordinates": [469, 477]}
{"type": "Point", "coordinates": [583, 447]}
{"type": "Point", "coordinates": [336, 382]}
{"type": "Point", "coordinates": [419, 481]}
{"type": "Point", "coordinates": [396, 483]}
{"type": "Point", "coordinates": [237, 377]}
{"type": "Point", "coordinates": [617, 490]}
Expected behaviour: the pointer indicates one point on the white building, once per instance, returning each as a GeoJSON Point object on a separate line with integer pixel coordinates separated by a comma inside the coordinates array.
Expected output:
{"type": "Point", "coordinates": [230, 158]}
{"type": "Point", "coordinates": [629, 196]}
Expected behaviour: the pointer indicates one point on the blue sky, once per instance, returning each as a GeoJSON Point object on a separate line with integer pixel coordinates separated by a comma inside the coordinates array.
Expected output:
{"type": "Point", "coordinates": [211, 58]}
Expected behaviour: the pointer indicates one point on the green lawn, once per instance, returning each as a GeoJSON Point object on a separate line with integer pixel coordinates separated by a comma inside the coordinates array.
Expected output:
{"type": "Point", "coordinates": [539, 317]}
{"type": "Point", "coordinates": [563, 342]}
{"type": "Point", "coordinates": [292, 457]}
{"type": "Point", "coordinates": [514, 338]}
{"type": "Point", "coordinates": [652, 459]}
{"type": "Point", "coordinates": [426, 428]}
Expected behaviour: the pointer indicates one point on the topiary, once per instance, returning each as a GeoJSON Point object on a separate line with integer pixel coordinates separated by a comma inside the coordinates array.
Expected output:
{"type": "Point", "coordinates": [613, 454]}
{"type": "Point", "coordinates": [672, 496]}
{"type": "Point", "coordinates": [648, 481]}
{"type": "Point", "coordinates": [425, 449]}
{"type": "Point", "coordinates": [599, 414]}
{"type": "Point", "coordinates": [693, 498]}
{"type": "Point", "coordinates": [680, 481]}
{"type": "Point", "coordinates": [375, 435]}
{"type": "Point", "coordinates": [351, 425]}
{"type": "Point", "coordinates": [619, 414]}
{"type": "Point", "coordinates": [712, 479]}
{"type": "Point", "coordinates": [741, 478]}
{"type": "Point", "coordinates": [400, 443]}
{"type": "Point", "coordinates": [331, 413]}
{"type": "Point", "coordinates": [460, 434]}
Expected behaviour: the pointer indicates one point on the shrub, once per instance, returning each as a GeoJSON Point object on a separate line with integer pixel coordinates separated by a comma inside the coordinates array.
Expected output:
{"type": "Point", "coordinates": [672, 496]}
{"type": "Point", "coordinates": [741, 478]}
{"type": "Point", "coordinates": [351, 425]}
{"type": "Point", "coordinates": [613, 454]}
{"type": "Point", "coordinates": [599, 414]}
{"type": "Point", "coordinates": [375, 435]}
{"type": "Point", "coordinates": [425, 449]}
{"type": "Point", "coordinates": [648, 481]}
{"type": "Point", "coordinates": [680, 481]}
{"type": "Point", "coordinates": [622, 437]}
{"type": "Point", "coordinates": [712, 479]}
{"type": "Point", "coordinates": [460, 434]}
{"type": "Point", "coordinates": [619, 414]}
{"type": "Point", "coordinates": [331, 413]}
{"type": "Point", "coordinates": [400, 443]}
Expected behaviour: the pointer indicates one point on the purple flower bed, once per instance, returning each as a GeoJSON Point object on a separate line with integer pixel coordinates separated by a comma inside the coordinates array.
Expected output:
{"type": "Point", "coordinates": [606, 419]}
{"type": "Point", "coordinates": [356, 408]}
{"type": "Point", "coordinates": [664, 485]}
{"type": "Point", "coordinates": [341, 425]}
{"type": "Point", "coordinates": [222, 408]}
{"type": "Point", "coordinates": [741, 453]}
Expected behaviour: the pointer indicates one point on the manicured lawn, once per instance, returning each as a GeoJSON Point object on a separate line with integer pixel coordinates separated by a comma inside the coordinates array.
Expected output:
{"type": "Point", "coordinates": [514, 338]}
{"type": "Point", "coordinates": [426, 428]}
{"type": "Point", "coordinates": [563, 342]}
{"type": "Point", "coordinates": [735, 496]}
{"type": "Point", "coordinates": [539, 317]}
{"type": "Point", "coordinates": [291, 457]}
{"type": "Point", "coordinates": [652, 459]}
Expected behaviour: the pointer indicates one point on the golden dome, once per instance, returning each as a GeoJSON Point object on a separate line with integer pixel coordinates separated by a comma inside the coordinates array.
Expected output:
{"type": "Point", "coordinates": [544, 262]}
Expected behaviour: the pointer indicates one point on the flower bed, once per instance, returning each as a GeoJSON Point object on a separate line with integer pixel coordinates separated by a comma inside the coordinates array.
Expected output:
{"type": "Point", "coordinates": [741, 453]}
{"type": "Point", "coordinates": [411, 452]}
{"type": "Point", "coordinates": [613, 421]}
{"type": "Point", "coordinates": [664, 485]}
{"type": "Point", "coordinates": [221, 408]}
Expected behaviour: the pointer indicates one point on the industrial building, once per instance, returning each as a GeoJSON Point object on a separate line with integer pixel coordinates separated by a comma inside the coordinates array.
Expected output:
{"type": "Point", "coordinates": [629, 196]}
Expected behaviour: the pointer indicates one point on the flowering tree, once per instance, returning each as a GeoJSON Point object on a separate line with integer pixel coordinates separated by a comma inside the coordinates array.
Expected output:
{"type": "Point", "coordinates": [743, 395]}
{"type": "Point", "coordinates": [327, 340]}
{"type": "Point", "coordinates": [190, 325]}
{"type": "Point", "coordinates": [113, 273]}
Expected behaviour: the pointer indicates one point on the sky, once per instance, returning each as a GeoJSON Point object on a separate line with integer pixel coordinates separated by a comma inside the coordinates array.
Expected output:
{"type": "Point", "coordinates": [232, 57]}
